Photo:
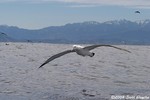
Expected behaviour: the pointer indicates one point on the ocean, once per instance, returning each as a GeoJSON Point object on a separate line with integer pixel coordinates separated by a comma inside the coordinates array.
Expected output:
{"type": "Point", "coordinates": [110, 74]}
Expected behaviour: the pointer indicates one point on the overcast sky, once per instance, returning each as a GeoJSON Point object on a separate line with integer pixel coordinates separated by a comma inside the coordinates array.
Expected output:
{"type": "Point", "coordinates": [36, 14]}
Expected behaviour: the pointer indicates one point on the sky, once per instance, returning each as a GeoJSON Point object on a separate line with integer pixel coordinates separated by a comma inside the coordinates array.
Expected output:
{"type": "Point", "coordinates": [37, 14]}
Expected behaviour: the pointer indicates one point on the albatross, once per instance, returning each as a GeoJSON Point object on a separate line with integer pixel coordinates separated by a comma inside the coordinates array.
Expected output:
{"type": "Point", "coordinates": [80, 50]}
{"type": "Point", "coordinates": [138, 12]}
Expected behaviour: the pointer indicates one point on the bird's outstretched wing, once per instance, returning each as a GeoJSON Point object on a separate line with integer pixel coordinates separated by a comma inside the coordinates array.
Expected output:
{"type": "Point", "coordinates": [95, 46]}
{"type": "Point", "coordinates": [56, 56]}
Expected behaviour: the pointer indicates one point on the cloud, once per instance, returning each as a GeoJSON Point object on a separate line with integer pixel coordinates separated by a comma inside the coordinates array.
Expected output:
{"type": "Point", "coordinates": [91, 3]}
{"type": "Point", "coordinates": [137, 3]}
{"type": "Point", "coordinates": [82, 6]}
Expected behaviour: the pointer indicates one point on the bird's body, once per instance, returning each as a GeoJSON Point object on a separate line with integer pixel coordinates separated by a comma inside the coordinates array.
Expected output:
{"type": "Point", "coordinates": [80, 50]}
{"type": "Point", "coordinates": [138, 12]}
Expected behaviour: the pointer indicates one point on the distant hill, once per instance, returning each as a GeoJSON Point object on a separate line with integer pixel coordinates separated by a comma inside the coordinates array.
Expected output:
{"type": "Point", "coordinates": [112, 32]}
{"type": "Point", "coordinates": [5, 38]}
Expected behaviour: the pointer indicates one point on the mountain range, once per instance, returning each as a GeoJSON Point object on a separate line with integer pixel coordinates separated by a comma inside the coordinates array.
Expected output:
{"type": "Point", "coordinates": [110, 32]}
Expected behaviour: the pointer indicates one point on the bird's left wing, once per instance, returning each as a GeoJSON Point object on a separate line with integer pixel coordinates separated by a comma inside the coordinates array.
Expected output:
{"type": "Point", "coordinates": [56, 56]}
{"type": "Point", "coordinates": [95, 46]}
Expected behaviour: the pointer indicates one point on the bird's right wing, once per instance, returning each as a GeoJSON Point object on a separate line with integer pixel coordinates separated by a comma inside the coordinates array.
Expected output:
{"type": "Point", "coordinates": [95, 46]}
{"type": "Point", "coordinates": [56, 56]}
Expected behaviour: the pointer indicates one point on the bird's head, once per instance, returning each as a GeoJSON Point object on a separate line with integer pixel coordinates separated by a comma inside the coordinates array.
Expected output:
{"type": "Point", "coordinates": [77, 47]}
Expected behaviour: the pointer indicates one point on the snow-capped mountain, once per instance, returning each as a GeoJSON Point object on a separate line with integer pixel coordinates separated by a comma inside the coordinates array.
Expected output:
{"type": "Point", "coordinates": [116, 31]}
{"type": "Point", "coordinates": [143, 22]}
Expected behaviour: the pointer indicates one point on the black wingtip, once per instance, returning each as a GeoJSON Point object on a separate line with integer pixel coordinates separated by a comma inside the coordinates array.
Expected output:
{"type": "Point", "coordinates": [128, 51]}
{"type": "Point", "coordinates": [42, 65]}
